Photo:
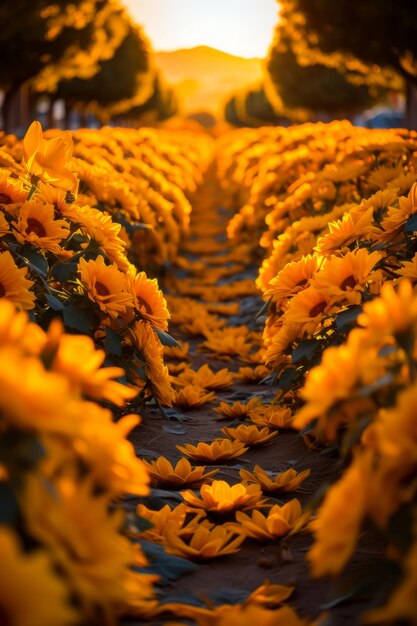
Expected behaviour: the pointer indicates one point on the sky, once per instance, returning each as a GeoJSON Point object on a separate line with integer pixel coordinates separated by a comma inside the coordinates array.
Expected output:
{"type": "Point", "coordinates": [240, 27]}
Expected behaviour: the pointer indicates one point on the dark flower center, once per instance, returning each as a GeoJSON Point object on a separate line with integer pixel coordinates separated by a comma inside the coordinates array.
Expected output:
{"type": "Point", "coordinates": [348, 282]}
{"type": "Point", "coordinates": [317, 309]}
{"type": "Point", "coordinates": [5, 198]}
{"type": "Point", "coordinates": [2, 294]}
{"type": "Point", "coordinates": [146, 306]}
{"type": "Point", "coordinates": [35, 226]}
{"type": "Point", "coordinates": [302, 282]}
{"type": "Point", "coordinates": [102, 289]}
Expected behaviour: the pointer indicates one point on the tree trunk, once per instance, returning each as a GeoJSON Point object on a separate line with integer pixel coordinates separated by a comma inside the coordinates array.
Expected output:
{"type": "Point", "coordinates": [411, 106]}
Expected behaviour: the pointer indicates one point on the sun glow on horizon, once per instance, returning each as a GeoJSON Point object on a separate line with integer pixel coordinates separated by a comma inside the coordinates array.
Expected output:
{"type": "Point", "coordinates": [240, 27]}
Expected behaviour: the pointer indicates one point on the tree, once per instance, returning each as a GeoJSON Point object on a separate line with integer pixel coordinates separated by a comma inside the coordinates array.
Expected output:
{"type": "Point", "coordinates": [43, 41]}
{"type": "Point", "coordinates": [382, 36]}
{"type": "Point", "coordinates": [117, 79]}
{"type": "Point", "coordinates": [317, 88]}
{"type": "Point", "coordinates": [253, 108]}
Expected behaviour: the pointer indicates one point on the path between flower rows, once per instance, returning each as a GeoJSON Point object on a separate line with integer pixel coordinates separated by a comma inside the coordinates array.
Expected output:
{"type": "Point", "coordinates": [214, 273]}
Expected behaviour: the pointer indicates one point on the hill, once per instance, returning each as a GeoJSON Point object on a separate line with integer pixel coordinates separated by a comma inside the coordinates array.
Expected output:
{"type": "Point", "coordinates": [205, 77]}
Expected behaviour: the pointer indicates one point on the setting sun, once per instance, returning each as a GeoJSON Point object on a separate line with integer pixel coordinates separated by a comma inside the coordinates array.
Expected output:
{"type": "Point", "coordinates": [240, 27]}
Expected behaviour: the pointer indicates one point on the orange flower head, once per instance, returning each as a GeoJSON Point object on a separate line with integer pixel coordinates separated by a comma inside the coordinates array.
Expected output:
{"type": "Point", "coordinates": [164, 474]}
{"type": "Point", "coordinates": [250, 435]}
{"type": "Point", "coordinates": [275, 417]}
{"type": "Point", "coordinates": [217, 451]}
{"type": "Point", "coordinates": [191, 397]}
{"type": "Point", "coordinates": [279, 521]}
{"type": "Point", "coordinates": [283, 482]}
{"type": "Point", "coordinates": [204, 544]}
{"type": "Point", "coordinates": [36, 224]}
{"type": "Point", "coordinates": [221, 499]}
{"type": "Point", "coordinates": [237, 409]}
{"type": "Point", "coordinates": [14, 285]}
{"type": "Point", "coordinates": [106, 286]}
{"type": "Point", "coordinates": [48, 159]}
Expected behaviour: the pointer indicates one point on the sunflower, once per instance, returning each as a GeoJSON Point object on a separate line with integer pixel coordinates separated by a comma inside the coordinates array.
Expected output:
{"type": "Point", "coordinates": [77, 358]}
{"type": "Point", "coordinates": [106, 286]}
{"type": "Point", "coordinates": [11, 192]}
{"type": "Point", "coordinates": [294, 277]}
{"type": "Point", "coordinates": [306, 310]}
{"type": "Point", "coordinates": [102, 229]}
{"type": "Point", "coordinates": [397, 216]}
{"type": "Point", "coordinates": [148, 299]}
{"type": "Point", "coordinates": [218, 451]}
{"type": "Point", "coordinates": [164, 474]}
{"type": "Point", "coordinates": [250, 435]}
{"type": "Point", "coordinates": [278, 522]}
{"type": "Point", "coordinates": [85, 539]}
{"type": "Point", "coordinates": [31, 575]}
{"type": "Point", "coordinates": [221, 499]}
{"type": "Point", "coordinates": [14, 285]}
{"type": "Point", "coordinates": [343, 279]}
{"type": "Point", "coordinates": [36, 224]}
{"type": "Point", "coordinates": [283, 482]}
{"type": "Point", "coordinates": [203, 544]}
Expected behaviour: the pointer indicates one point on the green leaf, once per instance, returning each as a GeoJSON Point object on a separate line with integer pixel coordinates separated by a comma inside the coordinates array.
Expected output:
{"type": "Point", "coordinates": [113, 342]}
{"type": "Point", "coordinates": [286, 379]}
{"type": "Point", "coordinates": [64, 271]}
{"type": "Point", "coordinates": [348, 317]}
{"type": "Point", "coordinates": [54, 303]}
{"type": "Point", "coordinates": [166, 339]}
{"type": "Point", "coordinates": [411, 224]}
{"type": "Point", "coordinates": [77, 318]}
{"type": "Point", "coordinates": [142, 524]}
{"type": "Point", "coordinates": [36, 260]}
{"type": "Point", "coordinates": [175, 429]}
{"type": "Point", "coordinates": [263, 310]}
{"type": "Point", "coordinates": [167, 566]}
{"type": "Point", "coordinates": [305, 350]}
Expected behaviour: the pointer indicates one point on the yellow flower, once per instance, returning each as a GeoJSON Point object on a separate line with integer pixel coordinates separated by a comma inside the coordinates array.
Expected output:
{"type": "Point", "coordinates": [396, 217]}
{"type": "Point", "coordinates": [306, 310]}
{"type": "Point", "coordinates": [284, 482]}
{"type": "Point", "coordinates": [294, 277]}
{"type": "Point", "coordinates": [191, 397]}
{"type": "Point", "coordinates": [36, 224]}
{"type": "Point", "coordinates": [393, 312]}
{"type": "Point", "coordinates": [275, 417]}
{"type": "Point", "coordinates": [31, 591]}
{"type": "Point", "coordinates": [14, 285]}
{"type": "Point", "coordinates": [237, 409]}
{"type": "Point", "coordinates": [252, 375]}
{"type": "Point", "coordinates": [148, 299]}
{"type": "Point", "coordinates": [279, 521]}
{"type": "Point", "coordinates": [163, 474]}
{"type": "Point", "coordinates": [343, 279]}
{"type": "Point", "coordinates": [232, 341]}
{"type": "Point", "coordinates": [85, 541]}
{"type": "Point", "coordinates": [160, 519]}
{"type": "Point", "coordinates": [220, 498]}
{"type": "Point", "coordinates": [250, 435]}
{"type": "Point", "coordinates": [48, 159]}
{"type": "Point", "coordinates": [77, 358]}
{"type": "Point", "coordinates": [206, 378]}
{"type": "Point", "coordinates": [106, 286]}
{"type": "Point", "coordinates": [339, 519]}
{"type": "Point", "coordinates": [217, 451]}
{"type": "Point", "coordinates": [102, 229]}
{"type": "Point", "coordinates": [203, 544]}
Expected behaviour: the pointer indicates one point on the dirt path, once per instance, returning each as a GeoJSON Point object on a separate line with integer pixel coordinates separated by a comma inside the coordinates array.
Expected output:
{"type": "Point", "coordinates": [279, 561]}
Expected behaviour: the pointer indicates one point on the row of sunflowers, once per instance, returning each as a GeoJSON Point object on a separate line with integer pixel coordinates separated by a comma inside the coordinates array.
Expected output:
{"type": "Point", "coordinates": [81, 217]}
{"type": "Point", "coordinates": [331, 213]}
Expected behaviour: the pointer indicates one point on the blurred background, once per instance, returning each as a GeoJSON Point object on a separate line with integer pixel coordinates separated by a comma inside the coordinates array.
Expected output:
{"type": "Point", "coordinates": [72, 63]}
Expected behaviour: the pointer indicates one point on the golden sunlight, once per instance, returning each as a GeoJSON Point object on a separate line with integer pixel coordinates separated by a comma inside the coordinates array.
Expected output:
{"type": "Point", "coordinates": [240, 27]}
